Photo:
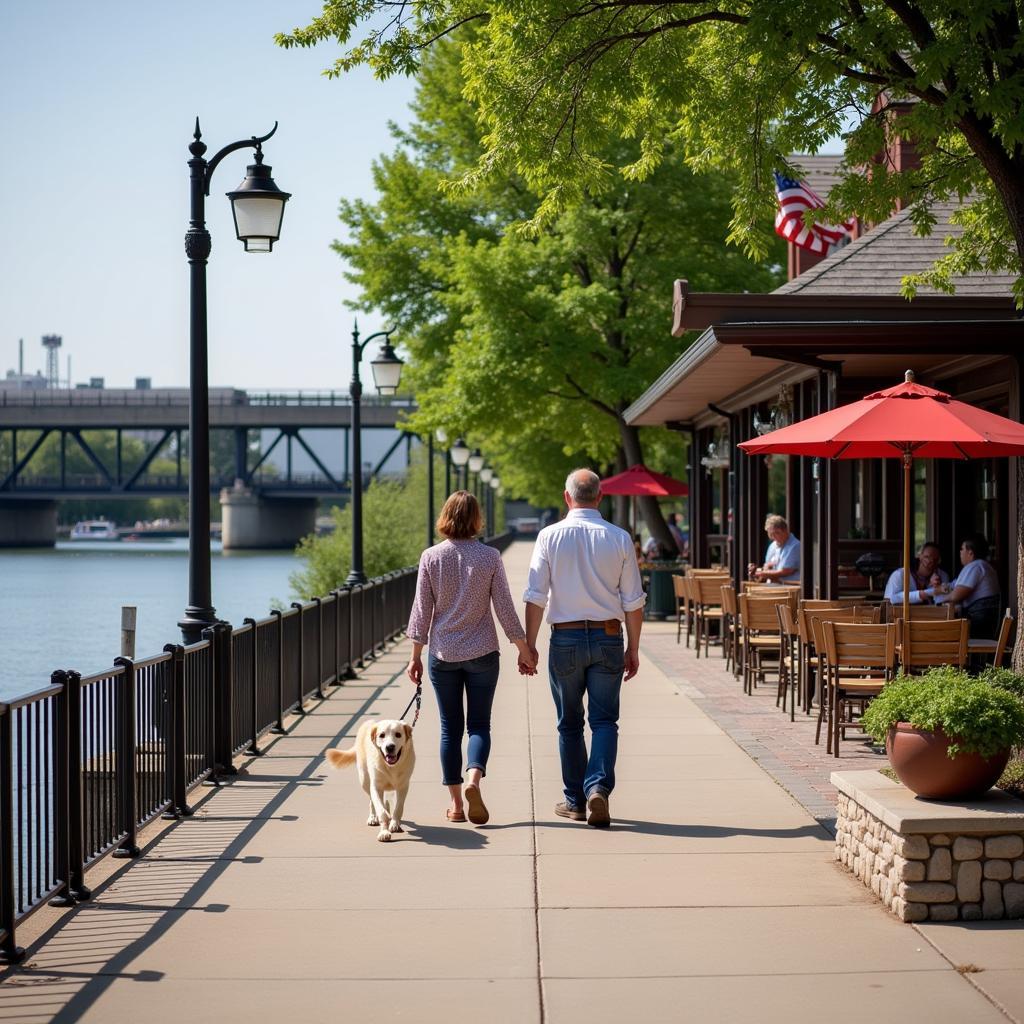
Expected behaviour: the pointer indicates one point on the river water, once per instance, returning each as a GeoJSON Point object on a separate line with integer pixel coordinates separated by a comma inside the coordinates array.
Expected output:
{"type": "Point", "coordinates": [61, 607]}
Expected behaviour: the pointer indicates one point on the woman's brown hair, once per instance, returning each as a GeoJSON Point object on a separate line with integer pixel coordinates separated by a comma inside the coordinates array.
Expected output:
{"type": "Point", "coordinates": [460, 519]}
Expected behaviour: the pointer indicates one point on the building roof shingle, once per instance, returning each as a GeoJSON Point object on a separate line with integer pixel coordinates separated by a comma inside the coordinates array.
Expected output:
{"type": "Point", "coordinates": [876, 263]}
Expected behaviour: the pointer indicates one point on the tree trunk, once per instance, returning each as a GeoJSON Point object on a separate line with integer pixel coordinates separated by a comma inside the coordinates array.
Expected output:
{"type": "Point", "coordinates": [620, 501]}
{"type": "Point", "coordinates": [650, 510]}
{"type": "Point", "coordinates": [1008, 178]}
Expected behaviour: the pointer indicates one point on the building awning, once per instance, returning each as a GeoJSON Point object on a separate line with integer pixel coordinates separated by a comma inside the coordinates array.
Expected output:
{"type": "Point", "coordinates": [747, 339]}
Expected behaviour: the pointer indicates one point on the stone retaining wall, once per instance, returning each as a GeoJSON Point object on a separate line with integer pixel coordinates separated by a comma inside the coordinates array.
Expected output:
{"type": "Point", "coordinates": [961, 870]}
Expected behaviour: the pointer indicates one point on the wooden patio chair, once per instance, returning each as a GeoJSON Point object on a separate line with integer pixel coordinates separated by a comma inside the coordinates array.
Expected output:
{"type": "Point", "coordinates": [730, 628]}
{"type": "Point", "coordinates": [925, 612]}
{"type": "Point", "coordinates": [866, 614]}
{"type": "Point", "coordinates": [861, 658]}
{"type": "Point", "coordinates": [707, 600]}
{"type": "Point", "coordinates": [998, 647]}
{"type": "Point", "coordinates": [808, 654]}
{"type": "Point", "coordinates": [682, 595]}
{"type": "Point", "coordinates": [789, 674]}
{"type": "Point", "coordinates": [759, 629]}
{"type": "Point", "coordinates": [924, 644]}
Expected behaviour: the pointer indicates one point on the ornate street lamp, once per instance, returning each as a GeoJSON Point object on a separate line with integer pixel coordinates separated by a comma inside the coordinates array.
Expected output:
{"type": "Point", "coordinates": [475, 461]}
{"type": "Point", "coordinates": [387, 372]}
{"type": "Point", "coordinates": [485, 478]}
{"type": "Point", "coordinates": [442, 436]}
{"type": "Point", "coordinates": [460, 456]}
{"type": "Point", "coordinates": [258, 207]}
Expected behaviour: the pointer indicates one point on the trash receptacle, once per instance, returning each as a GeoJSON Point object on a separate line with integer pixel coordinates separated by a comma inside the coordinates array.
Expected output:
{"type": "Point", "coordinates": [661, 595]}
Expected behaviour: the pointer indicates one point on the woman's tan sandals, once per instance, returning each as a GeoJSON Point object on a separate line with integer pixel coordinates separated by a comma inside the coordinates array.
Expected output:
{"type": "Point", "coordinates": [456, 816]}
{"type": "Point", "coordinates": [478, 814]}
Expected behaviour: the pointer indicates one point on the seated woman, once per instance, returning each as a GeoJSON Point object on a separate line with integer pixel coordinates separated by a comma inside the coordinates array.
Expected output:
{"type": "Point", "coordinates": [976, 589]}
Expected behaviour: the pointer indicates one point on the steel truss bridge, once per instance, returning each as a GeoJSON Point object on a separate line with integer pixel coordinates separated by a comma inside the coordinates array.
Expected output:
{"type": "Point", "coordinates": [160, 415]}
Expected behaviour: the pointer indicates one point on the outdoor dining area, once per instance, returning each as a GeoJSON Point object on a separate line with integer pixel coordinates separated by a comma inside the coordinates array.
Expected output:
{"type": "Point", "coordinates": [833, 655]}
{"type": "Point", "coordinates": [825, 656]}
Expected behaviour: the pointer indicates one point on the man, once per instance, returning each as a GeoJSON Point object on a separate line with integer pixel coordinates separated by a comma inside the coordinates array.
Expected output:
{"type": "Point", "coordinates": [976, 589]}
{"type": "Point", "coordinates": [782, 559]}
{"type": "Point", "coordinates": [924, 577]}
{"type": "Point", "coordinates": [584, 571]}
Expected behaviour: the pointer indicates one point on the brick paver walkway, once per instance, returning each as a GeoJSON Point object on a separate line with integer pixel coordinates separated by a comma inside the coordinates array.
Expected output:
{"type": "Point", "coordinates": [785, 750]}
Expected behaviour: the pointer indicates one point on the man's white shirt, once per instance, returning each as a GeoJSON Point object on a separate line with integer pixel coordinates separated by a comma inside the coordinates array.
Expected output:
{"type": "Point", "coordinates": [584, 568]}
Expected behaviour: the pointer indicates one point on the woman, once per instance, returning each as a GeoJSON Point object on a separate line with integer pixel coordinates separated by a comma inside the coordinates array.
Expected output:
{"type": "Point", "coordinates": [976, 589]}
{"type": "Point", "coordinates": [458, 581]}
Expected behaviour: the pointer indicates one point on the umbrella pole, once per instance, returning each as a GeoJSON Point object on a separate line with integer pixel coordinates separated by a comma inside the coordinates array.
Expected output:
{"type": "Point", "coordinates": [908, 459]}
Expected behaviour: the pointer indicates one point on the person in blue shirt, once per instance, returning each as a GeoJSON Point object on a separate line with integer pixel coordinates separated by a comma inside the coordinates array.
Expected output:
{"type": "Point", "coordinates": [782, 559]}
{"type": "Point", "coordinates": [925, 576]}
{"type": "Point", "coordinates": [976, 589]}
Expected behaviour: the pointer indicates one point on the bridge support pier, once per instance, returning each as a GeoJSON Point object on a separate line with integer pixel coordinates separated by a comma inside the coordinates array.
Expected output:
{"type": "Point", "coordinates": [251, 521]}
{"type": "Point", "coordinates": [28, 524]}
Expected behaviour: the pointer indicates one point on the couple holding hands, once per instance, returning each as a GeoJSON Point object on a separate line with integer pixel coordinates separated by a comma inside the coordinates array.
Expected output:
{"type": "Point", "coordinates": [586, 568]}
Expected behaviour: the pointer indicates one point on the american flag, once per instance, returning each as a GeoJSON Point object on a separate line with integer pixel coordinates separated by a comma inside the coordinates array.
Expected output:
{"type": "Point", "coordinates": [794, 198]}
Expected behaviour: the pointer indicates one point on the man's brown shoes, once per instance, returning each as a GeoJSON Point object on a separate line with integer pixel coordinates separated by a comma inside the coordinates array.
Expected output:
{"type": "Point", "coordinates": [597, 811]}
{"type": "Point", "coordinates": [563, 810]}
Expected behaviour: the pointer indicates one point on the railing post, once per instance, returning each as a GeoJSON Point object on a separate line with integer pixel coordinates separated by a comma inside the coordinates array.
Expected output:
{"type": "Point", "coordinates": [300, 710]}
{"type": "Point", "coordinates": [223, 690]}
{"type": "Point", "coordinates": [254, 724]}
{"type": "Point", "coordinates": [337, 637]}
{"type": "Point", "coordinates": [318, 601]}
{"type": "Point", "coordinates": [76, 796]}
{"type": "Point", "coordinates": [61, 795]}
{"type": "Point", "coordinates": [126, 762]}
{"type": "Point", "coordinates": [10, 951]}
{"type": "Point", "coordinates": [176, 762]}
{"type": "Point", "coordinates": [279, 615]}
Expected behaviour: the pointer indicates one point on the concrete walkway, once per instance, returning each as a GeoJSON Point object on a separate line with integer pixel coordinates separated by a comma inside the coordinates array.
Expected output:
{"type": "Point", "coordinates": [713, 897]}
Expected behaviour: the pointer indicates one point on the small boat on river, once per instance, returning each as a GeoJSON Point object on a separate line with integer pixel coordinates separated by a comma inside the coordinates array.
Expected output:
{"type": "Point", "coordinates": [94, 529]}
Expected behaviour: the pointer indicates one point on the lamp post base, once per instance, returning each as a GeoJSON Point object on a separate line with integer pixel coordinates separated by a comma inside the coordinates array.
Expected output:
{"type": "Point", "coordinates": [355, 579]}
{"type": "Point", "coordinates": [195, 621]}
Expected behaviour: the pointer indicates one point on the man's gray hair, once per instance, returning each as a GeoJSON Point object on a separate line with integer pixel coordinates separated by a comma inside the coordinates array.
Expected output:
{"type": "Point", "coordinates": [584, 486]}
{"type": "Point", "coordinates": [773, 522]}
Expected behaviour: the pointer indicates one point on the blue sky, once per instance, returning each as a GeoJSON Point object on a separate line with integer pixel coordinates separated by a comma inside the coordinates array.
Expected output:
{"type": "Point", "coordinates": [99, 104]}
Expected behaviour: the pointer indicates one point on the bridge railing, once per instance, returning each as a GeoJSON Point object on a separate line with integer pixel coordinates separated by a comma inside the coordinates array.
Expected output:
{"type": "Point", "coordinates": [179, 398]}
{"type": "Point", "coordinates": [88, 761]}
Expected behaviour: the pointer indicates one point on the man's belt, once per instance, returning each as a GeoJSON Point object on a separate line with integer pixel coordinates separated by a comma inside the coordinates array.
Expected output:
{"type": "Point", "coordinates": [613, 627]}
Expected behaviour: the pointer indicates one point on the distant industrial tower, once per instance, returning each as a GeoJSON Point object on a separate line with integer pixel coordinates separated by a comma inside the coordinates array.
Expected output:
{"type": "Point", "coordinates": [52, 342]}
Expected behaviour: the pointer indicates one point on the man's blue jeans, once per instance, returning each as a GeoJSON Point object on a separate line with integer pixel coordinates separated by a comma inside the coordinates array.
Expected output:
{"type": "Point", "coordinates": [475, 679]}
{"type": "Point", "coordinates": [586, 661]}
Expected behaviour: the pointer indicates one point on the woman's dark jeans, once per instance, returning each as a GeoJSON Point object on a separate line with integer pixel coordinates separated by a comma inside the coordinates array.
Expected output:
{"type": "Point", "coordinates": [477, 678]}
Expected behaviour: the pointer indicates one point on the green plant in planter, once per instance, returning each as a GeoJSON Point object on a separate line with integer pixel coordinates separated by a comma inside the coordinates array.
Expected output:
{"type": "Point", "coordinates": [983, 718]}
{"type": "Point", "coordinates": [1004, 679]}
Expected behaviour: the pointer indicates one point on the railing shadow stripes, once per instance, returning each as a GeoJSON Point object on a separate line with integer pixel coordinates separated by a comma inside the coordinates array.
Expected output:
{"type": "Point", "coordinates": [88, 761]}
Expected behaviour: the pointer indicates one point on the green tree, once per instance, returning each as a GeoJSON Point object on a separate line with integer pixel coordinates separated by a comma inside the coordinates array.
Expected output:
{"type": "Point", "coordinates": [736, 85]}
{"type": "Point", "coordinates": [535, 344]}
{"type": "Point", "coordinates": [394, 532]}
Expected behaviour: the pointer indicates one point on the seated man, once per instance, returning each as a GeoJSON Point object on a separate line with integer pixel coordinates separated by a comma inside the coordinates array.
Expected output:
{"type": "Point", "coordinates": [976, 589]}
{"type": "Point", "coordinates": [924, 576]}
{"type": "Point", "coordinates": [782, 559]}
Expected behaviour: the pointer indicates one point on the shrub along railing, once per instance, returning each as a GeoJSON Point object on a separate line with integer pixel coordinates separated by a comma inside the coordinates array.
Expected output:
{"type": "Point", "coordinates": [88, 761]}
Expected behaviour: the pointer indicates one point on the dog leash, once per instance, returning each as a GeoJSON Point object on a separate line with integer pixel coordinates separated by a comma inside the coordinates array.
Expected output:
{"type": "Point", "coordinates": [418, 701]}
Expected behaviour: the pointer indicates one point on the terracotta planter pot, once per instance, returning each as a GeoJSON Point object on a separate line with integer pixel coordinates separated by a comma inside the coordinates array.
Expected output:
{"type": "Point", "coordinates": [920, 761]}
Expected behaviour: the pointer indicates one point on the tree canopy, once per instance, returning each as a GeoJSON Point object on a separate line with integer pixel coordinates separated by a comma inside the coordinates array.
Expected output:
{"type": "Point", "coordinates": [733, 85]}
{"type": "Point", "coordinates": [534, 343]}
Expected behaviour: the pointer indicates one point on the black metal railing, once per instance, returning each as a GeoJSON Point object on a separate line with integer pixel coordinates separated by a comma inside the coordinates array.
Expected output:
{"type": "Point", "coordinates": [88, 761]}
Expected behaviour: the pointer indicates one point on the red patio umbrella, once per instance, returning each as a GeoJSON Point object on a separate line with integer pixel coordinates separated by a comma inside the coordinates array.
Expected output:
{"type": "Point", "coordinates": [639, 481]}
{"type": "Point", "coordinates": [908, 421]}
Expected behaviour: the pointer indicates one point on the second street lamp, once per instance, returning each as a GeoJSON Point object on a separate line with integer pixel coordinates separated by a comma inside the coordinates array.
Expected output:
{"type": "Point", "coordinates": [387, 372]}
{"type": "Point", "coordinates": [460, 456]}
{"type": "Point", "coordinates": [258, 207]}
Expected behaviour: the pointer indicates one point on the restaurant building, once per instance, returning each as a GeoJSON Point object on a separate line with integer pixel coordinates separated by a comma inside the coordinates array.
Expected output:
{"type": "Point", "coordinates": [838, 330]}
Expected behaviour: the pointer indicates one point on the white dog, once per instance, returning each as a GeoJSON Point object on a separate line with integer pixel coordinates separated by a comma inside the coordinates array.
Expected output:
{"type": "Point", "coordinates": [385, 758]}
